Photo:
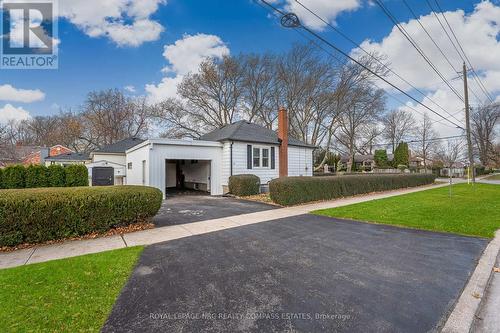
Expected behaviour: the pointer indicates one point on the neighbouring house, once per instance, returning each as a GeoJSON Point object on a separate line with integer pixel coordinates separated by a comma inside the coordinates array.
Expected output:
{"type": "Point", "coordinates": [28, 154]}
{"type": "Point", "coordinates": [67, 159]}
{"type": "Point", "coordinates": [107, 166]}
{"type": "Point", "coordinates": [457, 170]}
{"type": "Point", "coordinates": [207, 163]}
{"type": "Point", "coordinates": [363, 162]}
{"type": "Point", "coordinates": [39, 155]}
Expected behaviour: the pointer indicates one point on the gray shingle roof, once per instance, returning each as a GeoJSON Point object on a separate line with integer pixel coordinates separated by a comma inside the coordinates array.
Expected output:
{"type": "Point", "coordinates": [69, 157]}
{"type": "Point", "coordinates": [249, 132]}
{"type": "Point", "coordinates": [120, 146]}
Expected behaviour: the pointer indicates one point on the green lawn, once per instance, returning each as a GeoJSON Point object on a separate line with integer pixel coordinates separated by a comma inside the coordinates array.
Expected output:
{"type": "Point", "coordinates": [68, 295]}
{"type": "Point", "coordinates": [493, 177]}
{"type": "Point", "coordinates": [472, 210]}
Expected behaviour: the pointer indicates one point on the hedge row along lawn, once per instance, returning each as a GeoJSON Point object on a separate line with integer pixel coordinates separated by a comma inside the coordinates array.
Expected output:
{"type": "Point", "coordinates": [43, 214]}
{"type": "Point", "coordinates": [472, 210]}
{"type": "Point", "coordinates": [68, 295]}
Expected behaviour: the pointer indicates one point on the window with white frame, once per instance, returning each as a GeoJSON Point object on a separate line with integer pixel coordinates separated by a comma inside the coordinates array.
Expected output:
{"type": "Point", "coordinates": [260, 157]}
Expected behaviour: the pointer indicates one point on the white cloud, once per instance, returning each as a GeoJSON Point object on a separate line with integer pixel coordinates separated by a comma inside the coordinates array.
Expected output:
{"type": "Point", "coordinates": [326, 9]}
{"type": "Point", "coordinates": [477, 32]}
{"type": "Point", "coordinates": [10, 112]}
{"type": "Point", "coordinates": [129, 88]}
{"type": "Point", "coordinates": [185, 56]}
{"type": "Point", "coordinates": [125, 22]}
{"type": "Point", "coordinates": [449, 102]}
{"type": "Point", "coordinates": [10, 93]}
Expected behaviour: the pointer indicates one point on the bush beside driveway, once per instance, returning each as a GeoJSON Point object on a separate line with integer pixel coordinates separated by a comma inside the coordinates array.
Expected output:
{"type": "Point", "coordinates": [43, 214]}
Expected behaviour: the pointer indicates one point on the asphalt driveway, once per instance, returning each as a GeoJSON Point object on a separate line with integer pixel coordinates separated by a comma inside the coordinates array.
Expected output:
{"type": "Point", "coordinates": [193, 207]}
{"type": "Point", "coordinates": [300, 274]}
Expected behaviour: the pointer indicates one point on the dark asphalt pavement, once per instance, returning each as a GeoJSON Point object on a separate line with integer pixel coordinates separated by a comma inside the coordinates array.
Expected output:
{"type": "Point", "coordinates": [180, 209]}
{"type": "Point", "coordinates": [300, 274]}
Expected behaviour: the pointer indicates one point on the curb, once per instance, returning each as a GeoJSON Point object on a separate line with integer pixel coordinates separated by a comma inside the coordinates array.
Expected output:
{"type": "Point", "coordinates": [462, 317]}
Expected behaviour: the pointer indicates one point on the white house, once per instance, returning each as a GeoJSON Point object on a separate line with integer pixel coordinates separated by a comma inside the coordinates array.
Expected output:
{"type": "Point", "coordinates": [108, 163]}
{"type": "Point", "coordinates": [206, 164]}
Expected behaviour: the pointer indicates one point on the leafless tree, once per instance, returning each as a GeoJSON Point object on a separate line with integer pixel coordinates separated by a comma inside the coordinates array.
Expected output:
{"type": "Point", "coordinates": [426, 135]}
{"type": "Point", "coordinates": [260, 89]}
{"type": "Point", "coordinates": [109, 116]}
{"type": "Point", "coordinates": [484, 121]}
{"type": "Point", "coordinates": [450, 154]}
{"type": "Point", "coordinates": [366, 105]}
{"type": "Point", "coordinates": [398, 125]}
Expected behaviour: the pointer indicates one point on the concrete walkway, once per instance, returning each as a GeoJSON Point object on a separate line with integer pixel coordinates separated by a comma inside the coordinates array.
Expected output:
{"type": "Point", "coordinates": [158, 235]}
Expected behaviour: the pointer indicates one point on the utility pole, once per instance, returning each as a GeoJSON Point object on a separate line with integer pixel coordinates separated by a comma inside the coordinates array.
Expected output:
{"type": "Point", "coordinates": [467, 127]}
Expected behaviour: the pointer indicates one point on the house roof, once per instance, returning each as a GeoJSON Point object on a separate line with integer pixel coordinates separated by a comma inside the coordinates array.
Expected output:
{"type": "Point", "coordinates": [69, 157]}
{"type": "Point", "coordinates": [120, 146]}
{"type": "Point", "coordinates": [249, 132]}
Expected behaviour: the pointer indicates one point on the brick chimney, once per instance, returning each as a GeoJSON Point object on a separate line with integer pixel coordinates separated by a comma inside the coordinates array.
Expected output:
{"type": "Point", "coordinates": [283, 137]}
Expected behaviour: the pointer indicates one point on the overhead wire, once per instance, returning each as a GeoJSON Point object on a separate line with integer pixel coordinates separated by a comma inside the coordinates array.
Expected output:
{"type": "Point", "coordinates": [373, 57]}
{"type": "Point", "coordinates": [337, 49]}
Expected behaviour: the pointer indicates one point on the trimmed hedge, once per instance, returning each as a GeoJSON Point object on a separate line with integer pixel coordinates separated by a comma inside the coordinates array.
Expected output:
{"type": "Point", "coordinates": [244, 185]}
{"type": "Point", "coordinates": [14, 176]}
{"type": "Point", "coordinates": [36, 176]}
{"type": "Point", "coordinates": [289, 191]}
{"type": "Point", "coordinates": [56, 177]}
{"type": "Point", "coordinates": [43, 214]}
{"type": "Point", "coordinates": [76, 175]}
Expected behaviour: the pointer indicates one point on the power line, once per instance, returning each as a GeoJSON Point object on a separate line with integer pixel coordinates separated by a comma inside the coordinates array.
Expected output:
{"type": "Point", "coordinates": [478, 80]}
{"type": "Point", "coordinates": [295, 23]}
{"type": "Point", "coordinates": [476, 77]}
{"type": "Point", "coordinates": [420, 140]}
{"type": "Point", "coordinates": [375, 58]}
{"type": "Point", "coordinates": [435, 43]}
{"type": "Point", "coordinates": [416, 46]}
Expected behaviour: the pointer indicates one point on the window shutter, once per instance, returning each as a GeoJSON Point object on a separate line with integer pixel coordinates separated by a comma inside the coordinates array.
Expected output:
{"type": "Point", "coordinates": [273, 159]}
{"type": "Point", "coordinates": [249, 156]}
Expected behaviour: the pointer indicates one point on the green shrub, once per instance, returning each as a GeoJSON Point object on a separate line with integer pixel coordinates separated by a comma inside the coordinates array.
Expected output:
{"type": "Point", "coordinates": [56, 176]}
{"type": "Point", "coordinates": [401, 155]}
{"type": "Point", "coordinates": [43, 214]}
{"type": "Point", "coordinates": [381, 159]}
{"type": "Point", "coordinates": [402, 167]}
{"type": "Point", "coordinates": [14, 176]}
{"type": "Point", "coordinates": [76, 175]}
{"type": "Point", "coordinates": [288, 191]}
{"type": "Point", "coordinates": [1, 178]}
{"type": "Point", "coordinates": [243, 185]}
{"type": "Point", "coordinates": [36, 176]}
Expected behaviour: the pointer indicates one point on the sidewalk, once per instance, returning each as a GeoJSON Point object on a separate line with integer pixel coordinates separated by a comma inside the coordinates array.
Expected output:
{"type": "Point", "coordinates": [158, 235]}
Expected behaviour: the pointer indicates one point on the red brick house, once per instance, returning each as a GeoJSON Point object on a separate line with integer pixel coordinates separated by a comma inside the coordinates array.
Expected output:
{"type": "Point", "coordinates": [38, 156]}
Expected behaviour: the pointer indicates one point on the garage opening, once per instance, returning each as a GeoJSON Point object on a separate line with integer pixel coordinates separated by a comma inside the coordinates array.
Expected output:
{"type": "Point", "coordinates": [187, 177]}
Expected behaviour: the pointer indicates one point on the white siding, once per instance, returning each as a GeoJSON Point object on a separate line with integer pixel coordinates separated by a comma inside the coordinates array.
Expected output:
{"type": "Point", "coordinates": [300, 161]}
{"type": "Point", "coordinates": [134, 175]}
{"type": "Point", "coordinates": [155, 152]}
{"type": "Point", "coordinates": [240, 162]}
{"type": "Point", "coordinates": [113, 158]}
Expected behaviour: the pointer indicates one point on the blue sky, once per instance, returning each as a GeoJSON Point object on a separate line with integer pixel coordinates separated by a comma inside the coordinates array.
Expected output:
{"type": "Point", "coordinates": [92, 63]}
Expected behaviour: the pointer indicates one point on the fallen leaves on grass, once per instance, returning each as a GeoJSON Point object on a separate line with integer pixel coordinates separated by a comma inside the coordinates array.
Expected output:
{"type": "Point", "coordinates": [115, 231]}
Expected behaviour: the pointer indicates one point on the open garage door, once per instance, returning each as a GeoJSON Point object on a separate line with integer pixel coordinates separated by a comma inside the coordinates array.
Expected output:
{"type": "Point", "coordinates": [187, 175]}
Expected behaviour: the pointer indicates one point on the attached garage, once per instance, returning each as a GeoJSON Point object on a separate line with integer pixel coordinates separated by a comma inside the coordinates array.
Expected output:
{"type": "Point", "coordinates": [167, 164]}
